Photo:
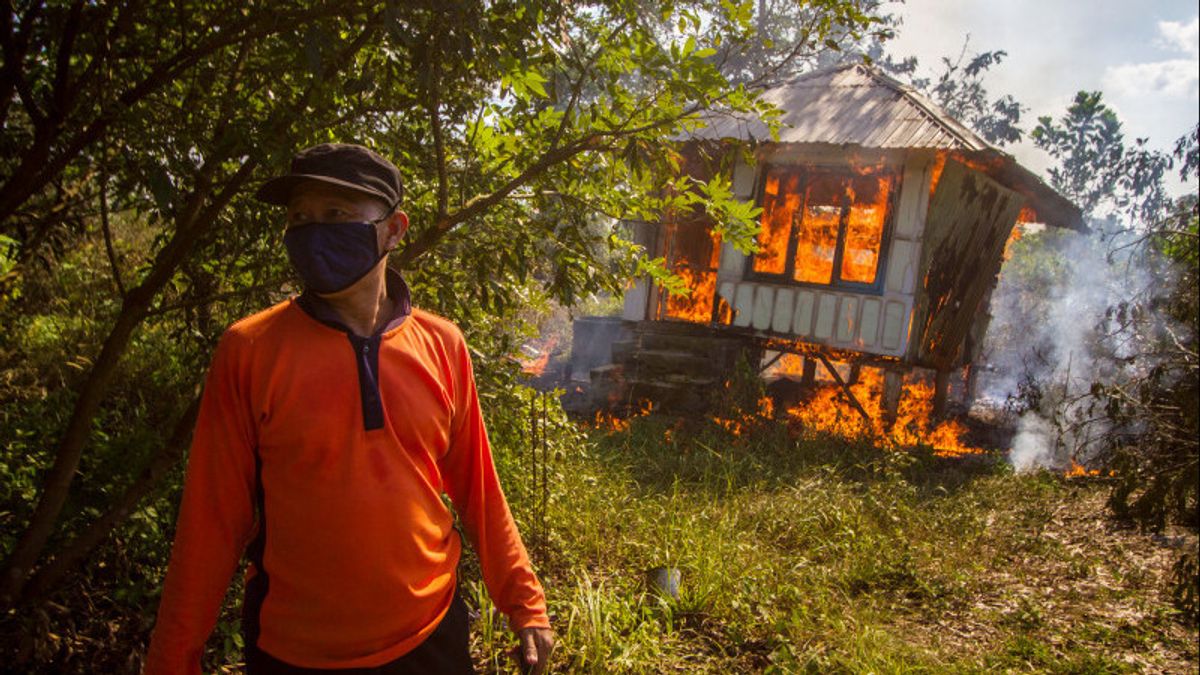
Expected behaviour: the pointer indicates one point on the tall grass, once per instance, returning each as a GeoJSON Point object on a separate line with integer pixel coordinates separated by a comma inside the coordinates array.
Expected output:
{"type": "Point", "coordinates": [797, 554]}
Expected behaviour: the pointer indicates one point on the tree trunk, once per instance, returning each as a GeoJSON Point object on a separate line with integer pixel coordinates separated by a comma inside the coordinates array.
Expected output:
{"type": "Point", "coordinates": [65, 561]}
{"type": "Point", "coordinates": [190, 224]}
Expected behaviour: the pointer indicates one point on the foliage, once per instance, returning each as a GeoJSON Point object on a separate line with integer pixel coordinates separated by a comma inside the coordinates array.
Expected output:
{"type": "Point", "coordinates": [1131, 407]}
{"type": "Point", "coordinates": [959, 88]}
{"type": "Point", "coordinates": [814, 554]}
{"type": "Point", "coordinates": [1096, 169]}
{"type": "Point", "coordinates": [133, 136]}
{"type": "Point", "coordinates": [785, 42]}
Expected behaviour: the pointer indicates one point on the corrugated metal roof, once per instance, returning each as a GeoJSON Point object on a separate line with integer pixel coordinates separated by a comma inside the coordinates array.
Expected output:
{"type": "Point", "coordinates": [857, 105]}
{"type": "Point", "coordinates": [851, 105]}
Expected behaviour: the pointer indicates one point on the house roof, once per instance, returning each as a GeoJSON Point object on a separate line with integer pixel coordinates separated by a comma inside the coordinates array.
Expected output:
{"type": "Point", "coordinates": [857, 105]}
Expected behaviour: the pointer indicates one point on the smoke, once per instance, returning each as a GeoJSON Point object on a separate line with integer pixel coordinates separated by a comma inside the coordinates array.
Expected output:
{"type": "Point", "coordinates": [1033, 446]}
{"type": "Point", "coordinates": [1070, 310]}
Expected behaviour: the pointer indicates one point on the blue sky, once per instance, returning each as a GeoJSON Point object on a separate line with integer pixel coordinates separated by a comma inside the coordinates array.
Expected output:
{"type": "Point", "coordinates": [1142, 55]}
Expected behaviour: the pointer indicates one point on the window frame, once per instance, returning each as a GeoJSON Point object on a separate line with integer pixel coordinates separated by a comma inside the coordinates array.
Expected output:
{"type": "Point", "coordinates": [836, 283]}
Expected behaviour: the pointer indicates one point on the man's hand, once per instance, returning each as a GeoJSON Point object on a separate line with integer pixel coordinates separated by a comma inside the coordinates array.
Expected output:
{"type": "Point", "coordinates": [536, 645]}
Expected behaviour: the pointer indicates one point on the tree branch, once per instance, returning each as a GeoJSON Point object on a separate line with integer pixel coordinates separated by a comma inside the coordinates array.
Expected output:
{"type": "Point", "coordinates": [59, 92]}
{"type": "Point", "coordinates": [481, 203]}
{"type": "Point", "coordinates": [108, 241]}
{"type": "Point", "coordinates": [190, 220]}
{"type": "Point", "coordinates": [48, 577]}
{"type": "Point", "coordinates": [439, 143]}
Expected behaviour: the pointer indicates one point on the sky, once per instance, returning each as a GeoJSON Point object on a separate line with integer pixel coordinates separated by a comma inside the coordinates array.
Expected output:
{"type": "Point", "coordinates": [1143, 57]}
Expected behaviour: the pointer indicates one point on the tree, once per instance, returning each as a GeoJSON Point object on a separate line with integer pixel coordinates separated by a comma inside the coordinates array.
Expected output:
{"type": "Point", "coordinates": [959, 88]}
{"type": "Point", "coordinates": [1095, 168]}
{"type": "Point", "coordinates": [524, 130]}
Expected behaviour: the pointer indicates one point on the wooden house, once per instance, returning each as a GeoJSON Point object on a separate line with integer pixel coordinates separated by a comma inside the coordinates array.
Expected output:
{"type": "Point", "coordinates": [883, 227]}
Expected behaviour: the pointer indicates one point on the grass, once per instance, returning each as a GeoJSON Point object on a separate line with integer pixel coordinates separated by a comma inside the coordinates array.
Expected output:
{"type": "Point", "coordinates": [818, 555]}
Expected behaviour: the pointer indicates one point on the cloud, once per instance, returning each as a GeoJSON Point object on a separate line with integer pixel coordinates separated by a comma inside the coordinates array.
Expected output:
{"type": "Point", "coordinates": [1172, 78]}
{"type": "Point", "coordinates": [1176, 78]}
{"type": "Point", "coordinates": [1182, 37]}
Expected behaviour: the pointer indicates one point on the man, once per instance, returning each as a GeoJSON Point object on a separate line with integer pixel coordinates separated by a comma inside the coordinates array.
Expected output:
{"type": "Point", "coordinates": [340, 417]}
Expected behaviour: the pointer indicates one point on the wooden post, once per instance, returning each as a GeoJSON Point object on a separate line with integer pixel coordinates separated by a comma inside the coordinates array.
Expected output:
{"type": "Point", "coordinates": [845, 389]}
{"type": "Point", "coordinates": [855, 373]}
{"type": "Point", "coordinates": [893, 385]}
{"type": "Point", "coordinates": [972, 384]}
{"type": "Point", "coordinates": [941, 384]}
{"type": "Point", "coordinates": [810, 372]}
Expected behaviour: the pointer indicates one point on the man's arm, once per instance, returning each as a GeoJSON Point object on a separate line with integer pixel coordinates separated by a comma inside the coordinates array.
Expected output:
{"type": "Point", "coordinates": [470, 480]}
{"type": "Point", "coordinates": [215, 519]}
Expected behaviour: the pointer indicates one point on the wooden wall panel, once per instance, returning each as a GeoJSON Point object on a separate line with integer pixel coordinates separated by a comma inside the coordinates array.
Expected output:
{"type": "Point", "coordinates": [826, 313]}
{"type": "Point", "coordinates": [764, 303]}
{"type": "Point", "coordinates": [785, 304]}
{"type": "Point", "coordinates": [902, 267]}
{"type": "Point", "coordinates": [894, 320]}
{"type": "Point", "coordinates": [743, 305]}
{"type": "Point", "coordinates": [743, 180]}
{"type": "Point", "coordinates": [868, 326]}
{"type": "Point", "coordinates": [970, 219]}
{"type": "Point", "coordinates": [636, 300]}
{"type": "Point", "coordinates": [802, 323]}
{"type": "Point", "coordinates": [847, 319]}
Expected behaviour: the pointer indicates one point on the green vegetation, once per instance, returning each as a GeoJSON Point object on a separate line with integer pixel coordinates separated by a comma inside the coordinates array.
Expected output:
{"type": "Point", "coordinates": [824, 555]}
{"type": "Point", "coordinates": [134, 135]}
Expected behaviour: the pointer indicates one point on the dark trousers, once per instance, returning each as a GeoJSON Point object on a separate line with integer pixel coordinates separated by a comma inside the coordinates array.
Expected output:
{"type": "Point", "coordinates": [445, 652]}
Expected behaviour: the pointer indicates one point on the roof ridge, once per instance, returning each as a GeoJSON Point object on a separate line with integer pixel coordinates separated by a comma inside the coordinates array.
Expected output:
{"type": "Point", "coordinates": [933, 111]}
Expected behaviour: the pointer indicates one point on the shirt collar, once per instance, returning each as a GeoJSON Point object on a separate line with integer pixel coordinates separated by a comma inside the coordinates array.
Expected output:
{"type": "Point", "coordinates": [396, 288]}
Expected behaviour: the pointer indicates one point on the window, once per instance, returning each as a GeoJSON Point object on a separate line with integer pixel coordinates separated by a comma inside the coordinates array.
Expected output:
{"type": "Point", "coordinates": [692, 251]}
{"type": "Point", "coordinates": [824, 226]}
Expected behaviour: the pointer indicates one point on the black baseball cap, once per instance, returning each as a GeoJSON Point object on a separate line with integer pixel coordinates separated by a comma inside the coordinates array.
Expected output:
{"type": "Point", "coordinates": [342, 164]}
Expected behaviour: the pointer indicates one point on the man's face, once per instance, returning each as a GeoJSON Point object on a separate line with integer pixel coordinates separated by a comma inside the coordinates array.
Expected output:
{"type": "Point", "coordinates": [317, 202]}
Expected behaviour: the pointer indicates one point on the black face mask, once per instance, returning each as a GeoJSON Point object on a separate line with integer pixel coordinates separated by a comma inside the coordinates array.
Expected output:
{"type": "Point", "coordinates": [330, 257]}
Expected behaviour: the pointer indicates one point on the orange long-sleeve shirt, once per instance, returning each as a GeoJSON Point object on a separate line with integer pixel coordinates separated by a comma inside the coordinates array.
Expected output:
{"type": "Point", "coordinates": [353, 560]}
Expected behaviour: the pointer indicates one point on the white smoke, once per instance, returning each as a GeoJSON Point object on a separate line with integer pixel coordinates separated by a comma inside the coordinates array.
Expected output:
{"type": "Point", "coordinates": [1056, 312]}
{"type": "Point", "coordinates": [1033, 446]}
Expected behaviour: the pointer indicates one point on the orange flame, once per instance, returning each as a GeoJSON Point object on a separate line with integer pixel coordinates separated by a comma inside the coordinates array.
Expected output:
{"type": "Point", "coordinates": [779, 206]}
{"type": "Point", "coordinates": [828, 411]}
{"type": "Point", "coordinates": [810, 209]}
{"type": "Point", "coordinates": [1078, 469]}
{"type": "Point", "coordinates": [817, 231]}
{"type": "Point", "coordinates": [1018, 231]}
{"type": "Point", "coordinates": [864, 228]}
{"type": "Point", "coordinates": [609, 422]}
{"type": "Point", "coordinates": [537, 366]}
{"type": "Point", "coordinates": [745, 421]}
{"type": "Point", "coordinates": [697, 304]}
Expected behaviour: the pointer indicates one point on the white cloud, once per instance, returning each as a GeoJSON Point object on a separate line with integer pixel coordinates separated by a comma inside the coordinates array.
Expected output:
{"type": "Point", "coordinates": [1172, 78]}
{"type": "Point", "coordinates": [1175, 78]}
{"type": "Point", "coordinates": [1179, 36]}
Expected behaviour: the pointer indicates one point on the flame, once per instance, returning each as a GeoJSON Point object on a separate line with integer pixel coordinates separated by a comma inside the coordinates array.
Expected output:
{"type": "Point", "coordinates": [864, 228]}
{"type": "Point", "coordinates": [788, 364]}
{"type": "Point", "coordinates": [778, 211]}
{"type": "Point", "coordinates": [766, 407]}
{"type": "Point", "coordinates": [537, 366]}
{"type": "Point", "coordinates": [1078, 469]}
{"type": "Point", "coordinates": [815, 206]}
{"type": "Point", "coordinates": [697, 304]}
{"type": "Point", "coordinates": [1018, 231]}
{"type": "Point", "coordinates": [985, 167]}
{"type": "Point", "coordinates": [935, 175]}
{"type": "Point", "coordinates": [609, 422]}
{"type": "Point", "coordinates": [828, 411]}
{"type": "Point", "coordinates": [817, 231]}
{"type": "Point", "coordinates": [744, 422]}
{"type": "Point", "coordinates": [695, 255]}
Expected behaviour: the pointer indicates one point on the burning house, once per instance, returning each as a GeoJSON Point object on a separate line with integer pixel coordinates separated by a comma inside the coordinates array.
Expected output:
{"type": "Point", "coordinates": [883, 227]}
